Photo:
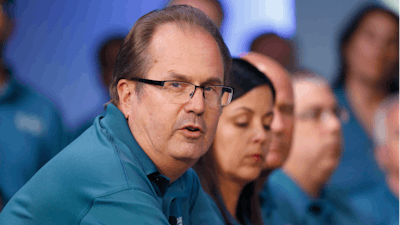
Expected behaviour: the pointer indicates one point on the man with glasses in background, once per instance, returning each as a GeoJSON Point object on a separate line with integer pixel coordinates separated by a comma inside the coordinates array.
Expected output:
{"type": "Point", "coordinates": [133, 165]}
{"type": "Point", "coordinates": [295, 194]}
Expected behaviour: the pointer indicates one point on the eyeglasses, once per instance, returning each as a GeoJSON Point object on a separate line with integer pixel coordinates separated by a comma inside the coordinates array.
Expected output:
{"type": "Point", "coordinates": [179, 92]}
{"type": "Point", "coordinates": [318, 114]}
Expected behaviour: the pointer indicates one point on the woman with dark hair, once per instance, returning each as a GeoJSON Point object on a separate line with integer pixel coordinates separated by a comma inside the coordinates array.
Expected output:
{"type": "Point", "coordinates": [230, 169]}
{"type": "Point", "coordinates": [369, 51]}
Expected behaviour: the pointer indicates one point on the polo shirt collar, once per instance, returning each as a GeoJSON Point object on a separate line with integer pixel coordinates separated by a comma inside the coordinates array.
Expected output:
{"type": "Point", "coordinates": [116, 121]}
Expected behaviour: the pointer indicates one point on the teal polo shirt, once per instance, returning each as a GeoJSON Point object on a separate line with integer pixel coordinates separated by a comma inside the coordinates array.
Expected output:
{"type": "Point", "coordinates": [104, 177]}
{"type": "Point", "coordinates": [284, 202]}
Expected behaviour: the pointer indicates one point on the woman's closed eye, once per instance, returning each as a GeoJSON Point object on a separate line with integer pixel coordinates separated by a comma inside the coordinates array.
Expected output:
{"type": "Point", "coordinates": [243, 125]}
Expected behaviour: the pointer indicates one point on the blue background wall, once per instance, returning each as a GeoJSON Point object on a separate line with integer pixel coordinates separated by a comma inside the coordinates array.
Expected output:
{"type": "Point", "coordinates": [53, 46]}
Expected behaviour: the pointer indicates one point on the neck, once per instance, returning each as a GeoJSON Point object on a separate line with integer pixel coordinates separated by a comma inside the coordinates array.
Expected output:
{"type": "Point", "coordinates": [168, 166]}
{"type": "Point", "coordinates": [230, 191]}
{"type": "Point", "coordinates": [364, 98]}
{"type": "Point", "coordinates": [392, 181]}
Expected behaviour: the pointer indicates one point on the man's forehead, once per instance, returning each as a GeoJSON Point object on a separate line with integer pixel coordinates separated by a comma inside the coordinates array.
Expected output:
{"type": "Point", "coordinates": [313, 94]}
{"type": "Point", "coordinates": [179, 53]}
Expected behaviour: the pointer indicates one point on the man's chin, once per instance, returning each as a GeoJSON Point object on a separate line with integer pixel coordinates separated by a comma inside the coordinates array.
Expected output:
{"type": "Point", "coordinates": [189, 151]}
{"type": "Point", "coordinates": [273, 160]}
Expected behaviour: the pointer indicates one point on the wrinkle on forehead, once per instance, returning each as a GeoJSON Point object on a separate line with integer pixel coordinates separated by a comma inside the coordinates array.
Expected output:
{"type": "Point", "coordinates": [312, 92]}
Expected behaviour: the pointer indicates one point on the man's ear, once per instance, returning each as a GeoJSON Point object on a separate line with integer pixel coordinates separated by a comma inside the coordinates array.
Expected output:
{"type": "Point", "coordinates": [126, 91]}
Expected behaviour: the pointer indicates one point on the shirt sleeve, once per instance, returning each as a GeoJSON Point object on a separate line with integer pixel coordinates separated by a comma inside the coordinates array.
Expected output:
{"type": "Point", "coordinates": [125, 207]}
{"type": "Point", "coordinates": [286, 203]}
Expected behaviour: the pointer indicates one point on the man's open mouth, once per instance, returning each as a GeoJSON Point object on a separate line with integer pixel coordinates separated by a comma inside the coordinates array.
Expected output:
{"type": "Point", "coordinates": [192, 128]}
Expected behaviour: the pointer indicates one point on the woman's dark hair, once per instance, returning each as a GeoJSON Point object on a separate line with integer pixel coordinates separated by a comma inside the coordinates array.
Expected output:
{"type": "Point", "coordinates": [347, 33]}
{"type": "Point", "coordinates": [243, 78]}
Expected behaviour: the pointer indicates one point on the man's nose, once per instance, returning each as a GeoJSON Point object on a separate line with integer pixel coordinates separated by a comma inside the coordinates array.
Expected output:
{"type": "Point", "coordinates": [196, 103]}
{"type": "Point", "coordinates": [333, 123]}
{"type": "Point", "coordinates": [277, 123]}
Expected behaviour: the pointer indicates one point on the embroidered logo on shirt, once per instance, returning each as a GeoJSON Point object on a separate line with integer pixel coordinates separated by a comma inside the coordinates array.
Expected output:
{"type": "Point", "coordinates": [28, 123]}
{"type": "Point", "coordinates": [175, 221]}
{"type": "Point", "coordinates": [179, 221]}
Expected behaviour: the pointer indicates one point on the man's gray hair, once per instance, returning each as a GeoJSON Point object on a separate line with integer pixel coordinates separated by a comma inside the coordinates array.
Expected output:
{"type": "Point", "coordinates": [380, 118]}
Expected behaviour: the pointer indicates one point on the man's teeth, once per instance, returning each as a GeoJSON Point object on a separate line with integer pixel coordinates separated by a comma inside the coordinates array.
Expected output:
{"type": "Point", "coordinates": [192, 129]}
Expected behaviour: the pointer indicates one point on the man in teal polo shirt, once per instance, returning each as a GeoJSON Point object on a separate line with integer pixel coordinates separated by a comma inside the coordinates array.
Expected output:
{"type": "Point", "coordinates": [133, 165]}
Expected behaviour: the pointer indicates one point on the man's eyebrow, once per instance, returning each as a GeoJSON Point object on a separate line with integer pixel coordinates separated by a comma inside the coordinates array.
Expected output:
{"type": "Point", "coordinates": [286, 108]}
{"type": "Point", "coordinates": [176, 76]}
{"type": "Point", "coordinates": [180, 77]}
{"type": "Point", "coordinates": [213, 81]}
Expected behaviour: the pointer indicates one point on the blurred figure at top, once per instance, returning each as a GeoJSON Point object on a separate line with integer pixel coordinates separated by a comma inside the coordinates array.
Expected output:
{"type": "Point", "coordinates": [369, 51]}
{"type": "Point", "coordinates": [381, 204]}
{"type": "Point", "coordinates": [107, 54]}
{"type": "Point", "coordinates": [105, 58]}
{"type": "Point", "coordinates": [282, 50]}
{"type": "Point", "coordinates": [31, 131]}
{"type": "Point", "coordinates": [211, 8]}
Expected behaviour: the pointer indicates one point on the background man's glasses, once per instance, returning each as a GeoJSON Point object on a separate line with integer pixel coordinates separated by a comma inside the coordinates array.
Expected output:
{"type": "Point", "coordinates": [319, 115]}
{"type": "Point", "coordinates": [179, 92]}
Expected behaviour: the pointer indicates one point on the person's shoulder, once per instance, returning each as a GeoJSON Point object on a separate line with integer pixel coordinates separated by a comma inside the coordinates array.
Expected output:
{"type": "Point", "coordinates": [102, 158]}
{"type": "Point", "coordinates": [87, 169]}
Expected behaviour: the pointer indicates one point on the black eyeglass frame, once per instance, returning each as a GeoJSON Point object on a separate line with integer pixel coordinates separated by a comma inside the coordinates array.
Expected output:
{"type": "Point", "coordinates": [161, 83]}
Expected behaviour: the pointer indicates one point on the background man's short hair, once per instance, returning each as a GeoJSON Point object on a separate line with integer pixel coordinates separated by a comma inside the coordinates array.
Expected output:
{"type": "Point", "coordinates": [134, 59]}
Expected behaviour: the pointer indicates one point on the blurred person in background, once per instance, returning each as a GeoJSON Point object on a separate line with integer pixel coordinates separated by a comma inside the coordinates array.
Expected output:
{"type": "Point", "coordinates": [381, 204]}
{"type": "Point", "coordinates": [296, 192]}
{"type": "Point", "coordinates": [106, 56]}
{"type": "Point", "coordinates": [31, 130]}
{"type": "Point", "coordinates": [236, 158]}
{"type": "Point", "coordinates": [289, 196]}
{"type": "Point", "coordinates": [283, 122]}
{"type": "Point", "coordinates": [282, 131]}
{"type": "Point", "coordinates": [369, 51]}
{"type": "Point", "coordinates": [282, 50]}
{"type": "Point", "coordinates": [211, 8]}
